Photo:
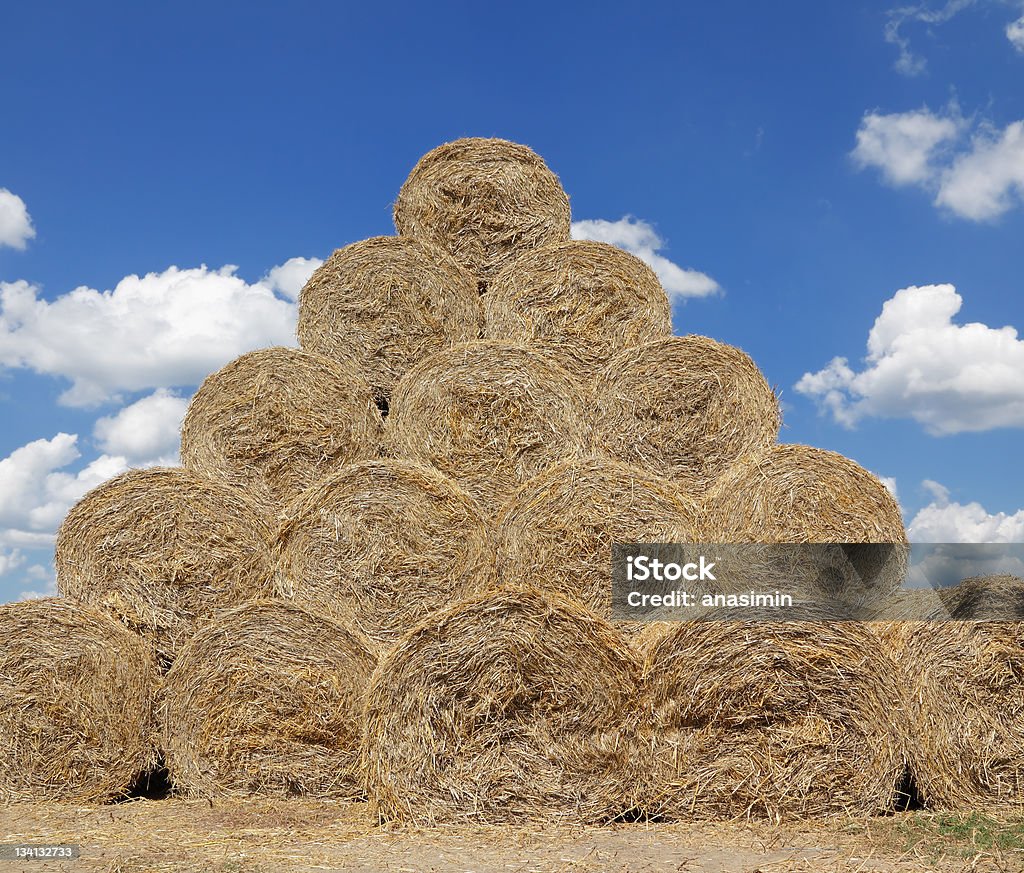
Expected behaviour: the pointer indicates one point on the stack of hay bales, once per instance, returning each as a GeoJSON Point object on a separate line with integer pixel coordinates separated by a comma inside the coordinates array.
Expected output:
{"type": "Point", "coordinates": [385, 564]}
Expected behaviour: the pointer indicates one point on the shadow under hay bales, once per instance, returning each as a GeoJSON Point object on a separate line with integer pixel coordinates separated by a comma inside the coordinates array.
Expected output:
{"type": "Point", "coordinates": [152, 784]}
{"type": "Point", "coordinates": [907, 797]}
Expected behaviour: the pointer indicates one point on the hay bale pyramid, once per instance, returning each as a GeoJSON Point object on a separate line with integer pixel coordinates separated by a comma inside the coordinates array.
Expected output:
{"type": "Point", "coordinates": [382, 569]}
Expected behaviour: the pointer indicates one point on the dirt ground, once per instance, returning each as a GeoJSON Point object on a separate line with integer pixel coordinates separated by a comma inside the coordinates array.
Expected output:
{"type": "Point", "coordinates": [262, 836]}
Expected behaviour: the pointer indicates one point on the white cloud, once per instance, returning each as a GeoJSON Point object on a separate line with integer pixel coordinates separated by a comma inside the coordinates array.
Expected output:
{"type": "Point", "coordinates": [158, 330]}
{"type": "Point", "coordinates": [35, 492]}
{"type": "Point", "coordinates": [147, 432]}
{"type": "Point", "coordinates": [15, 223]}
{"type": "Point", "coordinates": [950, 378]}
{"type": "Point", "coordinates": [890, 485]}
{"type": "Point", "coordinates": [1015, 33]}
{"type": "Point", "coordinates": [10, 560]}
{"type": "Point", "coordinates": [639, 238]}
{"type": "Point", "coordinates": [903, 145]}
{"type": "Point", "coordinates": [289, 277]}
{"type": "Point", "coordinates": [908, 63]}
{"type": "Point", "coordinates": [987, 180]}
{"type": "Point", "coordinates": [978, 178]}
{"type": "Point", "coordinates": [946, 521]}
{"type": "Point", "coordinates": [44, 578]}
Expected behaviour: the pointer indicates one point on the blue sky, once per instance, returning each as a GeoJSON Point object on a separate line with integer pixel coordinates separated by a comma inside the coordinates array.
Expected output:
{"type": "Point", "coordinates": [815, 161]}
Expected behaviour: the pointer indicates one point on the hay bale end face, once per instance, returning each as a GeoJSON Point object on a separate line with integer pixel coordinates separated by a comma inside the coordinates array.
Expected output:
{"type": "Point", "coordinates": [685, 407]}
{"type": "Point", "coordinates": [771, 720]}
{"type": "Point", "coordinates": [997, 597]}
{"type": "Point", "coordinates": [490, 415]}
{"type": "Point", "coordinates": [274, 421]}
{"type": "Point", "coordinates": [511, 707]}
{"type": "Point", "coordinates": [267, 699]}
{"type": "Point", "coordinates": [557, 531]}
{"type": "Point", "coordinates": [381, 544]}
{"type": "Point", "coordinates": [579, 302]}
{"type": "Point", "coordinates": [385, 304]}
{"type": "Point", "coordinates": [160, 549]}
{"type": "Point", "coordinates": [76, 704]}
{"type": "Point", "coordinates": [485, 201]}
{"type": "Point", "coordinates": [800, 494]}
{"type": "Point", "coordinates": [966, 711]}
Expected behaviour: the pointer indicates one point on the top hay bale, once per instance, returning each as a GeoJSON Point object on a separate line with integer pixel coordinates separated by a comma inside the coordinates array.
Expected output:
{"type": "Point", "coordinates": [76, 704]}
{"type": "Point", "coordinates": [274, 421]}
{"type": "Point", "coordinates": [510, 707]}
{"type": "Point", "coordinates": [490, 415]}
{"type": "Point", "coordinates": [485, 201]}
{"type": "Point", "coordinates": [160, 549]}
{"type": "Point", "coordinates": [800, 494]}
{"type": "Point", "coordinates": [579, 302]}
{"type": "Point", "coordinates": [385, 304]}
{"type": "Point", "coordinates": [685, 407]}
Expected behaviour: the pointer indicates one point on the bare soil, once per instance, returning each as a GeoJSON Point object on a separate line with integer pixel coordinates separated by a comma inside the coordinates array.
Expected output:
{"type": "Point", "coordinates": [268, 836]}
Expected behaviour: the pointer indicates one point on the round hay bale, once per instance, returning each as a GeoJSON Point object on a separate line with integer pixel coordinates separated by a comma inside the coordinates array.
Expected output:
{"type": "Point", "coordinates": [381, 544]}
{"type": "Point", "coordinates": [986, 598]}
{"type": "Point", "coordinates": [511, 707]}
{"type": "Point", "coordinates": [485, 201]}
{"type": "Point", "coordinates": [579, 302]}
{"type": "Point", "coordinates": [800, 494]}
{"type": "Point", "coordinates": [685, 407]}
{"type": "Point", "coordinates": [966, 711]}
{"type": "Point", "coordinates": [490, 415]}
{"type": "Point", "coordinates": [557, 532]}
{"type": "Point", "coordinates": [267, 699]}
{"type": "Point", "coordinates": [274, 421]}
{"type": "Point", "coordinates": [386, 303]}
{"type": "Point", "coordinates": [76, 704]}
{"type": "Point", "coordinates": [772, 720]}
{"type": "Point", "coordinates": [160, 549]}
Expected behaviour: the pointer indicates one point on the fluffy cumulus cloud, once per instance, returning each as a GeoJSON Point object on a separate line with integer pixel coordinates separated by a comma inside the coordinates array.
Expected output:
{"type": "Point", "coordinates": [987, 179]}
{"type": "Point", "coordinates": [158, 330]}
{"type": "Point", "coordinates": [977, 175]}
{"type": "Point", "coordinates": [903, 145]}
{"type": "Point", "coordinates": [947, 521]}
{"type": "Point", "coordinates": [10, 559]}
{"type": "Point", "coordinates": [36, 491]}
{"type": "Point", "coordinates": [146, 432]}
{"type": "Point", "coordinates": [639, 238]}
{"type": "Point", "coordinates": [15, 223]}
{"type": "Point", "coordinates": [921, 364]}
{"type": "Point", "coordinates": [289, 277]}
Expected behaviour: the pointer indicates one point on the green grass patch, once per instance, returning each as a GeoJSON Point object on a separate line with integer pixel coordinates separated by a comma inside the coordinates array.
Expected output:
{"type": "Point", "coordinates": [965, 833]}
